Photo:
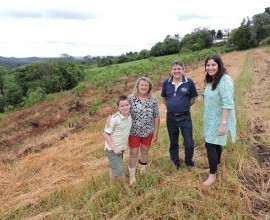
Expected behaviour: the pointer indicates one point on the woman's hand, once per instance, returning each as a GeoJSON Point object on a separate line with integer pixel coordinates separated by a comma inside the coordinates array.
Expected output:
{"type": "Point", "coordinates": [154, 138]}
{"type": "Point", "coordinates": [107, 123]}
{"type": "Point", "coordinates": [222, 129]}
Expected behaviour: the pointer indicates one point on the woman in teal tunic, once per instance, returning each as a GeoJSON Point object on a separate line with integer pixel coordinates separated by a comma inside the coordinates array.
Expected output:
{"type": "Point", "coordinates": [219, 113]}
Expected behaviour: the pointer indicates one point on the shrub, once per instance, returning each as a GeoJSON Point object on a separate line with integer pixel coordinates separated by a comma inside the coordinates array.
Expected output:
{"type": "Point", "coordinates": [34, 97]}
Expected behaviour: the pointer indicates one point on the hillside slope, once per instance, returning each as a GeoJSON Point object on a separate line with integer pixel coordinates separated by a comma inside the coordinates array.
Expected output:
{"type": "Point", "coordinates": [42, 150]}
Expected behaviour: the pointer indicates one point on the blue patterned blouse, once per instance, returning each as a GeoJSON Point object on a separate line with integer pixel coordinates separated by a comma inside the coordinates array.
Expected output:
{"type": "Point", "coordinates": [214, 101]}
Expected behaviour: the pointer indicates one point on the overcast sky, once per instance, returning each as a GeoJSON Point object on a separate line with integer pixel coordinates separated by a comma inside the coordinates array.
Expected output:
{"type": "Point", "coordinates": [49, 28]}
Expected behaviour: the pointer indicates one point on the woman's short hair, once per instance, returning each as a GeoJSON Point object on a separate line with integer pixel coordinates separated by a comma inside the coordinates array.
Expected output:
{"type": "Point", "coordinates": [136, 87]}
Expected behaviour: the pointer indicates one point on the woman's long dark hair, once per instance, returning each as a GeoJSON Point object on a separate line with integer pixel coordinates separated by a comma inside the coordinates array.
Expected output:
{"type": "Point", "coordinates": [221, 71]}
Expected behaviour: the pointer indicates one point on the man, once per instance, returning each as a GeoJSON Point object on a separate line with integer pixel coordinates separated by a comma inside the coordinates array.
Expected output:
{"type": "Point", "coordinates": [179, 94]}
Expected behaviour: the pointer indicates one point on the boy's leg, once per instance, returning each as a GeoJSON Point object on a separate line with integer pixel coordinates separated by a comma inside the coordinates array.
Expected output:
{"type": "Point", "coordinates": [112, 176]}
{"type": "Point", "coordinates": [122, 179]}
{"type": "Point", "coordinates": [117, 166]}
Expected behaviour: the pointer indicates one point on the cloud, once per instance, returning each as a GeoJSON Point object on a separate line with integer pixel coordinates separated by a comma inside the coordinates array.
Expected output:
{"type": "Point", "coordinates": [50, 14]}
{"type": "Point", "coordinates": [191, 16]}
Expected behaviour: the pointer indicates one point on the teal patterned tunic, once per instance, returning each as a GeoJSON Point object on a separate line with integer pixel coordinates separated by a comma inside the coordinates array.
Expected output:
{"type": "Point", "coordinates": [214, 102]}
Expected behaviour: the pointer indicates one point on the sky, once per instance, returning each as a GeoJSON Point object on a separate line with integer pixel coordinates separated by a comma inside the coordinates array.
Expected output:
{"type": "Point", "coordinates": [49, 28]}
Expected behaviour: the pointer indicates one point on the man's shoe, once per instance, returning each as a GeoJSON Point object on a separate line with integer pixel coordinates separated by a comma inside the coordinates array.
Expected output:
{"type": "Point", "coordinates": [177, 165]}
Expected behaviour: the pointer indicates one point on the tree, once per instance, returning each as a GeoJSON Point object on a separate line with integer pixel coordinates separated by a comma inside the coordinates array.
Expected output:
{"type": "Point", "coordinates": [169, 46]}
{"type": "Point", "coordinates": [176, 37]}
{"type": "Point", "coordinates": [241, 38]}
{"type": "Point", "coordinates": [213, 32]}
{"type": "Point", "coordinates": [144, 54]}
{"type": "Point", "coordinates": [168, 37]}
{"type": "Point", "coordinates": [51, 76]}
{"type": "Point", "coordinates": [219, 34]}
{"type": "Point", "coordinates": [199, 39]}
{"type": "Point", "coordinates": [260, 27]}
{"type": "Point", "coordinates": [2, 81]}
{"type": "Point", "coordinates": [158, 49]}
{"type": "Point", "coordinates": [66, 56]}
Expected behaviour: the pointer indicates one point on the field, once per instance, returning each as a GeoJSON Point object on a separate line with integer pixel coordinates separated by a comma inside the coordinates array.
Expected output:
{"type": "Point", "coordinates": [53, 166]}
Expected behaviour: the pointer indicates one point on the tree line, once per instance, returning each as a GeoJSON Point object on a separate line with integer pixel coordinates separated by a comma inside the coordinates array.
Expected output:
{"type": "Point", "coordinates": [28, 84]}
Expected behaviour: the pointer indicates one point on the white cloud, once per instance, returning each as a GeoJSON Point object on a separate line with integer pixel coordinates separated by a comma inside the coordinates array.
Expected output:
{"type": "Point", "coordinates": [105, 27]}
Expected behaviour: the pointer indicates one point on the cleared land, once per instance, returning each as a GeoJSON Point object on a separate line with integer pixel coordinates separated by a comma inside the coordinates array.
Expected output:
{"type": "Point", "coordinates": [42, 151]}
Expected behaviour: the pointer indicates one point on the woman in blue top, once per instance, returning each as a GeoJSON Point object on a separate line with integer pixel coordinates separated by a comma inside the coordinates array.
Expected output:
{"type": "Point", "coordinates": [219, 114]}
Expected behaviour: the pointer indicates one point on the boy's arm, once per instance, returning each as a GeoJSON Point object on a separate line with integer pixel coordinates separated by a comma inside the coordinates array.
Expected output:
{"type": "Point", "coordinates": [109, 140]}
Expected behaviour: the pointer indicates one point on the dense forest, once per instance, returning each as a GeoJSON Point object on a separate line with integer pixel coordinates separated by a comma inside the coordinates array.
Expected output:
{"type": "Point", "coordinates": [24, 82]}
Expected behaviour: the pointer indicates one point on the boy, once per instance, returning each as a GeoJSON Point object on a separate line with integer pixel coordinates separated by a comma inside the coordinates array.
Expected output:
{"type": "Point", "coordinates": [116, 139]}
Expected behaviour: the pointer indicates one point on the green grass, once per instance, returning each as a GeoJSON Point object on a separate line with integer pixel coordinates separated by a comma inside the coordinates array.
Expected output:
{"type": "Point", "coordinates": [107, 76]}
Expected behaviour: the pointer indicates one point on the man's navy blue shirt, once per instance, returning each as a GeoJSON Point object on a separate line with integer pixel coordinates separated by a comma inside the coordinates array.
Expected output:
{"type": "Point", "coordinates": [178, 101]}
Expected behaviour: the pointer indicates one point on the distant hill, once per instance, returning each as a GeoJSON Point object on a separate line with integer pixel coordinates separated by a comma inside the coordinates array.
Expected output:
{"type": "Point", "coordinates": [25, 60]}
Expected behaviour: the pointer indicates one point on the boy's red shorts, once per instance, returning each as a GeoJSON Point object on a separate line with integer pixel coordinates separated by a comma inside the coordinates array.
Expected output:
{"type": "Point", "coordinates": [134, 141]}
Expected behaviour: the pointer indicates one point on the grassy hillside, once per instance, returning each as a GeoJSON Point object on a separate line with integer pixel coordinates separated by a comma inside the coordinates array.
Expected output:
{"type": "Point", "coordinates": [53, 165]}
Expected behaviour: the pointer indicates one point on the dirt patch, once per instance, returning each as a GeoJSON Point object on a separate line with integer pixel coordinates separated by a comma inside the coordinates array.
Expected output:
{"type": "Point", "coordinates": [256, 179]}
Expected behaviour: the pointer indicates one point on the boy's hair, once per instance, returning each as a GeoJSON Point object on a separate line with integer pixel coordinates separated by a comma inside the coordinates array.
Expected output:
{"type": "Point", "coordinates": [121, 98]}
{"type": "Point", "coordinates": [178, 62]}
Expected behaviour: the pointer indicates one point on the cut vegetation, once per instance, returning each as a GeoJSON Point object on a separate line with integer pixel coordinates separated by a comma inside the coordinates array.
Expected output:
{"type": "Point", "coordinates": [53, 166]}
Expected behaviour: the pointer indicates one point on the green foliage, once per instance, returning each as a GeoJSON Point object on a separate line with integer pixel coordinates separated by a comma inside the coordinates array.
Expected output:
{"type": "Point", "coordinates": [261, 27]}
{"type": "Point", "coordinates": [2, 103]}
{"type": "Point", "coordinates": [95, 106]}
{"type": "Point", "coordinates": [99, 76]}
{"type": "Point", "coordinates": [74, 119]}
{"type": "Point", "coordinates": [51, 76]}
{"type": "Point", "coordinates": [77, 89]}
{"type": "Point", "coordinates": [265, 41]}
{"type": "Point", "coordinates": [34, 97]}
{"type": "Point", "coordinates": [2, 73]}
{"type": "Point", "coordinates": [144, 54]}
{"type": "Point", "coordinates": [251, 32]}
{"type": "Point", "coordinates": [197, 40]}
{"type": "Point", "coordinates": [241, 38]}
{"type": "Point", "coordinates": [13, 96]}
{"type": "Point", "coordinates": [169, 46]}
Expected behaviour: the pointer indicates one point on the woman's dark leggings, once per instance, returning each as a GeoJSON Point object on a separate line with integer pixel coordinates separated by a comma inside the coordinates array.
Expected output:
{"type": "Point", "coordinates": [213, 153]}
